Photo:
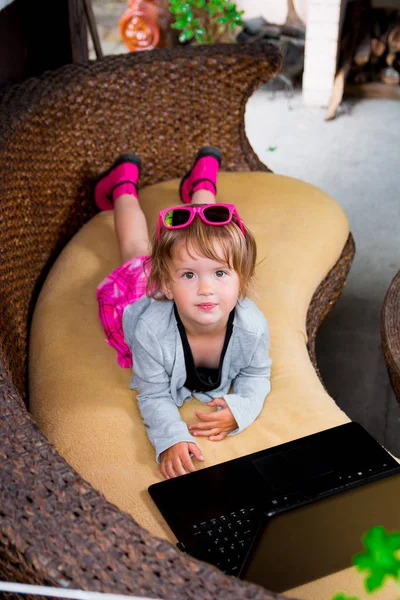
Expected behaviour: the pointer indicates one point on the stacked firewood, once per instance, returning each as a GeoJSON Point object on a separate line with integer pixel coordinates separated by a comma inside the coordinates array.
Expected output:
{"type": "Point", "coordinates": [377, 54]}
{"type": "Point", "coordinates": [369, 52]}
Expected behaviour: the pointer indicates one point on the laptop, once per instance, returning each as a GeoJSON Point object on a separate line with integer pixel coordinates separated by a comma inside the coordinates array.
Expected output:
{"type": "Point", "coordinates": [224, 514]}
{"type": "Point", "coordinates": [295, 546]}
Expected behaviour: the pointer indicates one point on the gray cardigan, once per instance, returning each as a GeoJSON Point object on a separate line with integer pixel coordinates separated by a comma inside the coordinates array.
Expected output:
{"type": "Point", "coordinates": [151, 330]}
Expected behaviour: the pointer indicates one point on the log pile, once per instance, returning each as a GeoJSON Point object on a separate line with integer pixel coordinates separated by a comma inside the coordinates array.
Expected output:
{"type": "Point", "coordinates": [369, 58]}
{"type": "Point", "coordinates": [377, 54]}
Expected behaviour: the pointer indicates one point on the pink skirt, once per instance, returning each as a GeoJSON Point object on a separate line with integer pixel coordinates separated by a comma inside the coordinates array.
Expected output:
{"type": "Point", "coordinates": [123, 286]}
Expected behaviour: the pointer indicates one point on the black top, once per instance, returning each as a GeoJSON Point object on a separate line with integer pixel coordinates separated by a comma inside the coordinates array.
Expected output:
{"type": "Point", "coordinates": [202, 379]}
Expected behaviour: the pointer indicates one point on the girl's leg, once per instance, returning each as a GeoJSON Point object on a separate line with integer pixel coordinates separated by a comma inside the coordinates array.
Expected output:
{"type": "Point", "coordinates": [117, 188]}
{"type": "Point", "coordinates": [130, 227]}
{"type": "Point", "coordinates": [202, 177]}
{"type": "Point", "coordinates": [203, 197]}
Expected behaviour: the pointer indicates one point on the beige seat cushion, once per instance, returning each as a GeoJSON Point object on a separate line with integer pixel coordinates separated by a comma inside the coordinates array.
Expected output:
{"type": "Point", "coordinates": [79, 395]}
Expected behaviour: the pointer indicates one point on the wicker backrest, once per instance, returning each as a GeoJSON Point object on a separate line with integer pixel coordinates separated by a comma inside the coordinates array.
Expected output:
{"type": "Point", "coordinates": [56, 133]}
{"type": "Point", "coordinates": [60, 130]}
{"type": "Point", "coordinates": [390, 333]}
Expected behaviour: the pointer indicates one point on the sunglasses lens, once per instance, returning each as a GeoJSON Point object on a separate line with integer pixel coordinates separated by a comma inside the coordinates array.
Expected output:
{"type": "Point", "coordinates": [174, 218]}
{"type": "Point", "coordinates": [216, 214]}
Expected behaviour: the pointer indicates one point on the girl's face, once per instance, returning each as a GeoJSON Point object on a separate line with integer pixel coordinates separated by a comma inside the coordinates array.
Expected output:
{"type": "Point", "coordinates": [204, 290]}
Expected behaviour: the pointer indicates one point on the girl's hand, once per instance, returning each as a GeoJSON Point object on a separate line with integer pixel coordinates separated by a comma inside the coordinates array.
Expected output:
{"type": "Point", "coordinates": [177, 458]}
{"type": "Point", "coordinates": [215, 425]}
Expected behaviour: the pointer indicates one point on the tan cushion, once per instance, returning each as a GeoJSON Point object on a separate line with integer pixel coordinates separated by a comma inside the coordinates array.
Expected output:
{"type": "Point", "coordinates": [79, 395]}
{"type": "Point", "coordinates": [348, 581]}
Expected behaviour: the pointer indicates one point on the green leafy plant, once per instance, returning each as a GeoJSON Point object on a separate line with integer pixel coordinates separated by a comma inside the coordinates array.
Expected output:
{"type": "Point", "coordinates": [381, 560]}
{"type": "Point", "coordinates": [205, 21]}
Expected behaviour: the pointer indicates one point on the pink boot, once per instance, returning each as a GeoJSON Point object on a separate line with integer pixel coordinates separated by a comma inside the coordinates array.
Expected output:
{"type": "Point", "coordinates": [203, 174]}
{"type": "Point", "coordinates": [121, 178]}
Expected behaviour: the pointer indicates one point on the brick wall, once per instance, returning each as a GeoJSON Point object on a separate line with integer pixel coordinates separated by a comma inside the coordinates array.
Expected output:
{"type": "Point", "coordinates": [324, 23]}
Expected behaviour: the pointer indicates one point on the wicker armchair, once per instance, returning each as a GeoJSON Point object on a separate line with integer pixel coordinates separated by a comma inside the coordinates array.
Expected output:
{"type": "Point", "coordinates": [390, 333]}
{"type": "Point", "coordinates": [57, 132]}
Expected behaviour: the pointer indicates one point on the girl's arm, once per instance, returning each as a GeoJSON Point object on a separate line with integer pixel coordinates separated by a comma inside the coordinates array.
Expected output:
{"type": "Point", "coordinates": [251, 386]}
{"type": "Point", "coordinates": [160, 414]}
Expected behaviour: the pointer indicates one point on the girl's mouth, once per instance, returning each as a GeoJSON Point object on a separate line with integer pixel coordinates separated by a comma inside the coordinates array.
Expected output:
{"type": "Point", "coordinates": [207, 306]}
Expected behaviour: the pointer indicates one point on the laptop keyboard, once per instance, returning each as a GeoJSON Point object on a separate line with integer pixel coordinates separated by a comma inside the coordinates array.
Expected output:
{"type": "Point", "coordinates": [225, 540]}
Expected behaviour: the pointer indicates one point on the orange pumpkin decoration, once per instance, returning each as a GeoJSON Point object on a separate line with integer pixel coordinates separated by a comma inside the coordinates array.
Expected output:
{"type": "Point", "coordinates": [138, 25]}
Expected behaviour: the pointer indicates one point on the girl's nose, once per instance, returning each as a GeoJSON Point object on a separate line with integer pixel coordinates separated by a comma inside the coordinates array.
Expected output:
{"type": "Point", "coordinates": [205, 288]}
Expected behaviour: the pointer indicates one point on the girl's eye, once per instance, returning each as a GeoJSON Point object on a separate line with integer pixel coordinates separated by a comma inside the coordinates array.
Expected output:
{"type": "Point", "coordinates": [220, 273]}
{"type": "Point", "coordinates": [188, 275]}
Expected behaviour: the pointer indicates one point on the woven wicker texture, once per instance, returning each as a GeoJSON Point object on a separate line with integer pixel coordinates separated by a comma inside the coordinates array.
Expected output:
{"type": "Point", "coordinates": [390, 333]}
{"type": "Point", "coordinates": [57, 132]}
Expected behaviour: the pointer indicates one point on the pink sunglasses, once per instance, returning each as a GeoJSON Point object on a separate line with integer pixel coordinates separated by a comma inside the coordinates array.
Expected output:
{"type": "Point", "coordinates": [212, 214]}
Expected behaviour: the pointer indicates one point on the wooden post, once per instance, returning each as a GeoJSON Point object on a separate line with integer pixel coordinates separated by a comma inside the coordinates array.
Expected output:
{"type": "Point", "coordinates": [78, 31]}
{"type": "Point", "coordinates": [293, 19]}
{"type": "Point", "coordinates": [91, 21]}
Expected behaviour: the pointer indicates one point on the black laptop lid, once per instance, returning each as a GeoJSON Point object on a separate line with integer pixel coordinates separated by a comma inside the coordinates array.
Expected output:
{"type": "Point", "coordinates": [314, 464]}
{"type": "Point", "coordinates": [296, 546]}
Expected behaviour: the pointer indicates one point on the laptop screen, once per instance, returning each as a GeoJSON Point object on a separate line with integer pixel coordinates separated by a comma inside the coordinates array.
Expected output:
{"type": "Point", "coordinates": [300, 545]}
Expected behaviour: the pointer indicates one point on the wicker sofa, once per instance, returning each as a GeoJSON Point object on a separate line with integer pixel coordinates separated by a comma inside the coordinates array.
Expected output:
{"type": "Point", "coordinates": [57, 131]}
{"type": "Point", "coordinates": [390, 333]}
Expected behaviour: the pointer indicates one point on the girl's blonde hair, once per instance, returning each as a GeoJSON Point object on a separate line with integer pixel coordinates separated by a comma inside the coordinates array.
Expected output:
{"type": "Point", "coordinates": [239, 252]}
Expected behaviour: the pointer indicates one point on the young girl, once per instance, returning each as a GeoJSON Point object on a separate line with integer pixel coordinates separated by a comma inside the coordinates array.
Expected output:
{"type": "Point", "coordinates": [178, 307]}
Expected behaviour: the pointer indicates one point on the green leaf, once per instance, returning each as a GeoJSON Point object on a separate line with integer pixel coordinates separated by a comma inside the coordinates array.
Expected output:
{"type": "Point", "coordinates": [181, 22]}
{"type": "Point", "coordinates": [236, 14]}
{"type": "Point", "coordinates": [375, 581]}
{"type": "Point", "coordinates": [222, 20]}
{"type": "Point", "coordinates": [271, 148]}
{"type": "Point", "coordinates": [216, 8]}
{"type": "Point", "coordinates": [342, 596]}
{"type": "Point", "coordinates": [186, 8]}
{"type": "Point", "coordinates": [380, 558]}
{"type": "Point", "coordinates": [200, 3]}
{"type": "Point", "coordinates": [186, 35]}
